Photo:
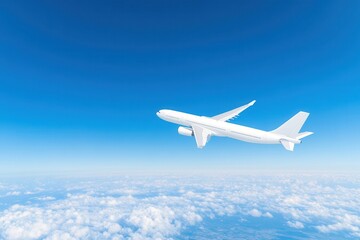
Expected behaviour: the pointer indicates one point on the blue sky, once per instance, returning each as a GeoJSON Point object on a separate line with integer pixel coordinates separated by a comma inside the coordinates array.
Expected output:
{"type": "Point", "coordinates": [81, 83]}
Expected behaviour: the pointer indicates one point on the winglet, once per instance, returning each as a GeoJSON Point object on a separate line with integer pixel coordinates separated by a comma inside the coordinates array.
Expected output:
{"type": "Point", "coordinates": [252, 103]}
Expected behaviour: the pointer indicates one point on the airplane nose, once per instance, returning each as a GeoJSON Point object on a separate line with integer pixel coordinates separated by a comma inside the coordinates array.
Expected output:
{"type": "Point", "coordinates": [161, 114]}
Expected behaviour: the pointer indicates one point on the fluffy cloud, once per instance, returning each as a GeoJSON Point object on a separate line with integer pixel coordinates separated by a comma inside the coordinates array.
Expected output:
{"type": "Point", "coordinates": [346, 222]}
{"type": "Point", "coordinates": [161, 208]}
{"type": "Point", "coordinates": [295, 224]}
{"type": "Point", "coordinates": [82, 216]}
{"type": "Point", "coordinates": [46, 198]}
{"type": "Point", "coordinates": [255, 213]}
{"type": "Point", "coordinates": [13, 193]}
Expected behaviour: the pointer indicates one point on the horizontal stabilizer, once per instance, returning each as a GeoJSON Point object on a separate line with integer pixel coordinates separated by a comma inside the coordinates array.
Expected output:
{"type": "Point", "coordinates": [303, 134]}
{"type": "Point", "coordinates": [287, 145]}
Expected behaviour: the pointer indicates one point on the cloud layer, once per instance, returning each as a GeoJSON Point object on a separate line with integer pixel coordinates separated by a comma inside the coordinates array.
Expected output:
{"type": "Point", "coordinates": [163, 207]}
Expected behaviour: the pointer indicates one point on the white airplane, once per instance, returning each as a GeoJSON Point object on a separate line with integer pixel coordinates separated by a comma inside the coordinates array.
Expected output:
{"type": "Point", "coordinates": [204, 127]}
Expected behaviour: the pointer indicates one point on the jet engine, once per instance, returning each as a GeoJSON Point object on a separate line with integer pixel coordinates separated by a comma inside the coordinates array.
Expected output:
{"type": "Point", "coordinates": [185, 131]}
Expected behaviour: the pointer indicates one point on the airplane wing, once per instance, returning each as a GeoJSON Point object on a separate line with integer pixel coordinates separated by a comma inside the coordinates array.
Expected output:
{"type": "Point", "coordinates": [232, 113]}
{"type": "Point", "coordinates": [202, 135]}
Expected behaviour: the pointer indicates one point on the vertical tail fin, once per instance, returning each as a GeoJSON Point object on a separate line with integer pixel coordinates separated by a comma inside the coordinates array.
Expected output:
{"type": "Point", "coordinates": [291, 127]}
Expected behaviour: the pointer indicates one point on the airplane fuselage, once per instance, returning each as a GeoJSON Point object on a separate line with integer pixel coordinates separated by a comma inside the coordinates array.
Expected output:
{"type": "Point", "coordinates": [224, 129]}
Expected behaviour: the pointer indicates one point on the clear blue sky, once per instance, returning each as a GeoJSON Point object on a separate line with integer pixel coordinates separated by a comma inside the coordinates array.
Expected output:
{"type": "Point", "coordinates": [81, 81]}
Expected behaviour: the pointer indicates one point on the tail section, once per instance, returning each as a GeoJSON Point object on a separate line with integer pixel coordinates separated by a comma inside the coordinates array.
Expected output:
{"type": "Point", "coordinates": [291, 129]}
{"type": "Point", "coordinates": [288, 145]}
{"type": "Point", "coordinates": [303, 134]}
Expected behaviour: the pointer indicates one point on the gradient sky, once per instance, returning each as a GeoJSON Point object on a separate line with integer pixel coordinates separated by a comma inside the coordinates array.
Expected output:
{"type": "Point", "coordinates": [81, 81]}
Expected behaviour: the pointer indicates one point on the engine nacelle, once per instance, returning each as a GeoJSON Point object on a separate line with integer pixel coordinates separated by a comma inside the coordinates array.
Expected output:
{"type": "Point", "coordinates": [185, 131]}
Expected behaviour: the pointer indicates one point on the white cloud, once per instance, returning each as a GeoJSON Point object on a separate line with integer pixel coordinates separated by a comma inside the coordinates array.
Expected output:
{"type": "Point", "coordinates": [267, 214]}
{"type": "Point", "coordinates": [46, 198]}
{"type": "Point", "coordinates": [13, 193]}
{"type": "Point", "coordinates": [160, 208]}
{"type": "Point", "coordinates": [255, 213]}
{"type": "Point", "coordinates": [347, 222]}
{"type": "Point", "coordinates": [153, 221]}
{"type": "Point", "coordinates": [296, 224]}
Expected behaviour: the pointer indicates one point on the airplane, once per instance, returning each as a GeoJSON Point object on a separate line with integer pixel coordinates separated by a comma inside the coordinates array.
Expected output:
{"type": "Point", "coordinates": [202, 128]}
